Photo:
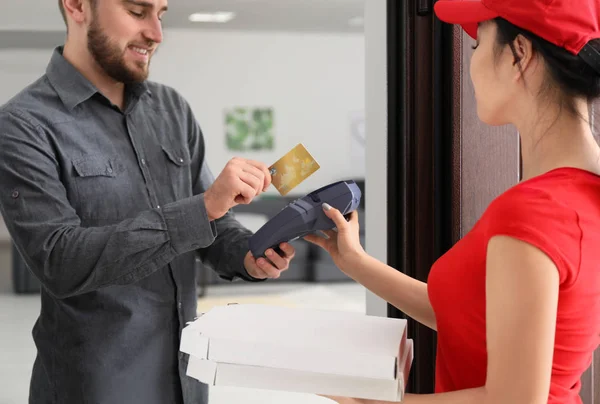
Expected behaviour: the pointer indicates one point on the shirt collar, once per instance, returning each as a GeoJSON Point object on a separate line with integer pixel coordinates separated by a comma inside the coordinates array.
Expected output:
{"type": "Point", "coordinates": [72, 87]}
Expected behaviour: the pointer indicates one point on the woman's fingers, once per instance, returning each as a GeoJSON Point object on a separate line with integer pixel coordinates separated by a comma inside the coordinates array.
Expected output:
{"type": "Point", "coordinates": [353, 218]}
{"type": "Point", "coordinates": [340, 220]}
{"type": "Point", "coordinates": [330, 233]}
{"type": "Point", "coordinates": [317, 240]}
{"type": "Point", "coordinates": [336, 216]}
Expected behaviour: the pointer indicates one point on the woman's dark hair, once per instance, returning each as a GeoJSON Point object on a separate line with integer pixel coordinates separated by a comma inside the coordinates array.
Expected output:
{"type": "Point", "coordinates": [568, 72]}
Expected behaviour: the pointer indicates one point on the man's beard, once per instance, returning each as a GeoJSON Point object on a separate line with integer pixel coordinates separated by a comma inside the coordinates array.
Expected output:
{"type": "Point", "coordinates": [111, 59]}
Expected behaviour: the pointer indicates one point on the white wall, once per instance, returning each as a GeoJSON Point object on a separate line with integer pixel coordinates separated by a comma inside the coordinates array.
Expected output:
{"type": "Point", "coordinates": [314, 82]}
{"type": "Point", "coordinates": [376, 155]}
{"type": "Point", "coordinates": [20, 67]}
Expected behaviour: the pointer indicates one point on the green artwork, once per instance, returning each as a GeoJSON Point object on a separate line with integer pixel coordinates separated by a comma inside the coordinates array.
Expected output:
{"type": "Point", "coordinates": [249, 129]}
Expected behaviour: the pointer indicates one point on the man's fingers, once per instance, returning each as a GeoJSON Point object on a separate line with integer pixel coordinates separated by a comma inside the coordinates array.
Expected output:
{"type": "Point", "coordinates": [268, 268]}
{"type": "Point", "coordinates": [278, 261]}
{"type": "Point", "coordinates": [262, 167]}
{"type": "Point", "coordinates": [255, 182]}
{"type": "Point", "coordinates": [246, 192]}
{"type": "Point", "coordinates": [258, 173]}
{"type": "Point", "coordinates": [260, 274]}
{"type": "Point", "coordinates": [289, 251]}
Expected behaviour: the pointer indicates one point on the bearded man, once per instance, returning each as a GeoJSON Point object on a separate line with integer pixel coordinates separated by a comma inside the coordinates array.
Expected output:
{"type": "Point", "coordinates": [107, 196]}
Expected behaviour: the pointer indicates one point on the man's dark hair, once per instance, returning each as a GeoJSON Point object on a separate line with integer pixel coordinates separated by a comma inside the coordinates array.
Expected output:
{"type": "Point", "coordinates": [62, 11]}
{"type": "Point", "coordinates": [568, 73]}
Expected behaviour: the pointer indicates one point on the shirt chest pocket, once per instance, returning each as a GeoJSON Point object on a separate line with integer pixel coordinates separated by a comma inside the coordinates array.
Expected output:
{"type": "Point", "coordinates": [178, 173]}
{"type": "Point", "coordinates": [102, 188]}
{"type": "Point", "coordinates": [177, 155]}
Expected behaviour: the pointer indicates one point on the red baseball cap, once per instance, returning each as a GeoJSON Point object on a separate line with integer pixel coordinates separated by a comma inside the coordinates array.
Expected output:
{"type": "Point", "coordinates": [569, 24]}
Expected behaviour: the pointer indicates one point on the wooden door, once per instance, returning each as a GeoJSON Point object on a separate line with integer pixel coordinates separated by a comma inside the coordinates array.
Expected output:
{"type": "Point", "coordinates": [444, 165]}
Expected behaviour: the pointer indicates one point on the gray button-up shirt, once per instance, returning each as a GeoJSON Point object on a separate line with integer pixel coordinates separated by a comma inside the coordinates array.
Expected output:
{"type": "Point", "coordinates": [106, 207]}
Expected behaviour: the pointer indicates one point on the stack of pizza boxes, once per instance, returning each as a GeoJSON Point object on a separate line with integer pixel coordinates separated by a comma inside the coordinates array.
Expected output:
{"type": "Point", "coordinates": [299, 350]}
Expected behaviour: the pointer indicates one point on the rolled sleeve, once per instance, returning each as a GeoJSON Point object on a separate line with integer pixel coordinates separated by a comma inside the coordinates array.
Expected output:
{"type": "Point", "coordinates": [188, 225]}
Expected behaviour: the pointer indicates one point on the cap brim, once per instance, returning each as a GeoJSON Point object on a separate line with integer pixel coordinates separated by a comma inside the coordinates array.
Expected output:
{"type": "Point", "coordinates": [466, 13]}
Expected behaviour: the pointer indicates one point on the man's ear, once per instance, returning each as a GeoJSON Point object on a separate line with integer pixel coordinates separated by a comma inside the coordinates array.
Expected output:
{"type": "Point", "coordinates": [75, 10]}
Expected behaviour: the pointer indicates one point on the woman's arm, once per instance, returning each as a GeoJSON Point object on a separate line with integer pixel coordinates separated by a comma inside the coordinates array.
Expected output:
{"type": "Point", "coordinates": [521, 308]}
{"type": "Point", "coordinates": [407, 294]}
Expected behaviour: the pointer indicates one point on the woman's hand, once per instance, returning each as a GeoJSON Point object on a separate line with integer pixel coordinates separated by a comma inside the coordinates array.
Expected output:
{"type": "Point", "coordinates": [344, 244]}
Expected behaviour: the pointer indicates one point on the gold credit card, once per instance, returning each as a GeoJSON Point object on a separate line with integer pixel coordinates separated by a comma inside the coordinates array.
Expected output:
{"type": "Point", "coordinates": [293, 168]}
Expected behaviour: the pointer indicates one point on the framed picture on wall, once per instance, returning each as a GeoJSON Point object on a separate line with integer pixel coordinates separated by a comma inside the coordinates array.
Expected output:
{"type": "Point", "coordinates": [249, 128]}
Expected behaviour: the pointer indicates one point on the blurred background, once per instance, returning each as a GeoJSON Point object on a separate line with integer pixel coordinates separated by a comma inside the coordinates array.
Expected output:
{"type": "Point", "coordinates": [378, 91]}
{"type": "Point", "coordinates": [261, 76]}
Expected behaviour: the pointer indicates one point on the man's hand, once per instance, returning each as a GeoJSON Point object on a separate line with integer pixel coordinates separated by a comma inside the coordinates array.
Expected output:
{"type": "Point", "coordinates": [273, 267]}
{"type": "Point", "coordinates": [239, 183]}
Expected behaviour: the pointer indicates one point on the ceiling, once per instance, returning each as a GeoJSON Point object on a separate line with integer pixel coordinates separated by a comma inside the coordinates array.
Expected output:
{"type": "Point", "coordinates": [42, 16]}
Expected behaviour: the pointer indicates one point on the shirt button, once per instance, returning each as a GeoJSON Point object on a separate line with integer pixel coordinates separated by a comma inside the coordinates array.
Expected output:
{"type": "Point", "coordinates": [179, 304]}
{"type": "Point", "coordinates": [15, 194]}
{"type": "Point", "coordinates": [181, 160]}
{"type": "Point", "coordinates": [157, 206]}
{"type": "Point", "coordinates": [109, 170]}
{"type": "Point", "coordinates": [143, 162]}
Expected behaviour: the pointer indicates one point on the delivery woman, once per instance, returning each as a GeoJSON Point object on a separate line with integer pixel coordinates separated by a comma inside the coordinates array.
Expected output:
{"type": "Point", "coordinates": [516, 302]}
